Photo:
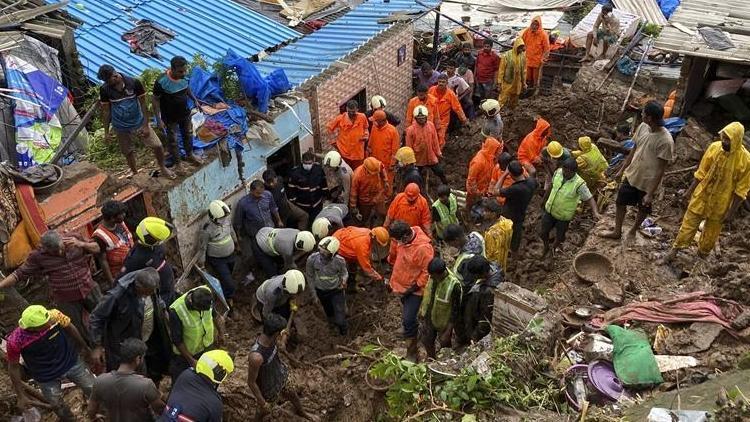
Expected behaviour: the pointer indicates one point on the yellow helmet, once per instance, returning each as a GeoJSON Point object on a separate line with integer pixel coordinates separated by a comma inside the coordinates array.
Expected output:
{"type": "Point", "coordinates": [33, 316]}
{"type": "Point", "coordinates": [330, 243]}
{"type": "Point", "coordinates": [420, 110]}
{"type": "Point", "coordinates": [377, 102]}
{"type": "Point", "coordinates": [157, 228]}
{"type": "Point", "coordinates": [584, 142]}
{"type": "Point", "coordinates": [555, 149]}
{"type": "Point", "coordinates": [216, 365]}
{"type": "Point", "coordinates": [405, 155]}
{"type": "Point", "coordinates": [381, 235]}
{"type": "Point", "coordinates": [320, 227]}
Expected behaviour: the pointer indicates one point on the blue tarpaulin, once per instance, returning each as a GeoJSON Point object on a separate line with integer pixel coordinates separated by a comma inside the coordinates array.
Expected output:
{"type": "Point", "coordinates": [256, 88]}
{"type": "Point", "coordinates": [668, 7]}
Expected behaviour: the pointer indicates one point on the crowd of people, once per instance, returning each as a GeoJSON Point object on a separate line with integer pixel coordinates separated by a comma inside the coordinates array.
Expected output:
{"type": "Point", "coordinates": [360, 216]}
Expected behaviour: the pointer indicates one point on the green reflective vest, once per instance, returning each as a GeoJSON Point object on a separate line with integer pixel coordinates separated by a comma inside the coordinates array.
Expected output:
{"type": "Point", "coordinates": [441, 306]}
{"type": "Point", "coordinates": [564, 198]}
{"type": "Point", "coordinates": [448, 214]}
{"type": "Point", "coordinates": [197, 327]}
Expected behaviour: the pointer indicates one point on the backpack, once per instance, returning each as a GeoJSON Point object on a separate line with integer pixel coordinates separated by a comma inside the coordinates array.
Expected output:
{"type": "Point", "coordinates": [497, 241]}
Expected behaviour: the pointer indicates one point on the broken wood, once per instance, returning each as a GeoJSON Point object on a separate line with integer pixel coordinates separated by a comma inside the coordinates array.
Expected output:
{"type": "Point", "coordinates": [686, 169]}
{"type": "Point", "coordinates": [637, 72]}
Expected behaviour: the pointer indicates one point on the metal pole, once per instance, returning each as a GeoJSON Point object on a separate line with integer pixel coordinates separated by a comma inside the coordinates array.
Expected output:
{"type": "Point", "coordinates": [65, 145]}
{"type": "Point", "coordinates": [436, 38]}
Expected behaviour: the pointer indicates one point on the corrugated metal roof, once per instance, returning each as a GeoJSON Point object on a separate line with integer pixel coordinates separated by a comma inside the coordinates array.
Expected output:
{"type": "Point", "coordinates": [536, 4]}
{"type": "Point", "coordinates": [316, 52]}
{"type": "Point", "coordinates": [648, 10]}
{"type": "Point", "coordinates": [209, 28]}
{"type": "Point", "coordinates": [725, 14]}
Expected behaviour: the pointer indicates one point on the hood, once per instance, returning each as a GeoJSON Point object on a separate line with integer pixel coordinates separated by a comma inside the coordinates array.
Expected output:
{"type": "Point", "coordinates": [735, 131]}
{"type": "Point", "coordinates": [517, 43]}
{"type": "Point", "coordinates": [541, 126]}
{"type": "Point", "coordinates": [538, 20]}
{"type": "Point", "coordinates": [128, 279]}
{"type": "Point", "coordinates": [491, 146]}
{"type": "Point", "coordinates": [421, 237]}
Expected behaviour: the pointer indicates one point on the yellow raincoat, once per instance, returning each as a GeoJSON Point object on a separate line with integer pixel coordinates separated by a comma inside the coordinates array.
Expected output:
{"type": "Point", "coordinates": [591, 163]}
{"type": "Point", "coordinates": [512, 75]}
{"type": "Point", "coordinates": [722, 176]}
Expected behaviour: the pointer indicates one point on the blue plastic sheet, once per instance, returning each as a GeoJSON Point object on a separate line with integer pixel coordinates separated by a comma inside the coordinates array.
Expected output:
{"type": "Point", "coordinates": [668, 7]}
{"type": "Point", "coordinates": [674, 125]}
{"type": "Point", "coordinates": [254, 86]}
{"type": "Point", "coordinates": [205, 86]}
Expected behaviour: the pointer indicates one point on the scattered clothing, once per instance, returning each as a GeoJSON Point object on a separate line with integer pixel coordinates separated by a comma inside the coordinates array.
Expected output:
{"type": "Point", "coordinates": [145, 37]}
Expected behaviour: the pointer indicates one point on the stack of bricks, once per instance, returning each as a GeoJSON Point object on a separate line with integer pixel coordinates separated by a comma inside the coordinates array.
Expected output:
{"type": "Point", "coordinates": [373, 67]}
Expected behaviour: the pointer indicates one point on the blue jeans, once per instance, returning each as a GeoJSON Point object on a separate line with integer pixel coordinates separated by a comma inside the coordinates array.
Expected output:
{"type": "Point", "coordinates": [80, 375]}
{"type": "Point", "coordinates": [409, 312]}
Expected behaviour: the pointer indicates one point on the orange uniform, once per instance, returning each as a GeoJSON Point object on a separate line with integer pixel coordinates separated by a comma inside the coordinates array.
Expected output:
{"type": "Point", "coordinates": [352, 135]}
{"type": "Point", "coordinates": [432, 110]}
{"type": "Point", "coordinates": [424, 141]}
{"type": "Point", "coordinates": [410, 262]}
{"type": "Point", "coordinates": [414, 214]}
{"type": "Point", "coordinates": [530, 149]}
{"type": "Point", "coordinates": [367, 188]}
{"type": "Point", "coordinates": [480, 167]}
{"type": "Point", "coordinates": [496, 174]}
{"type": "Point", "coordinates": [356, 245]}
{"type": "Point", "coordinates": [383, 144]}
{"type": "Point", "coordinates": [537, 48]}
{"type": "Point", "coordinates": [446, 101]}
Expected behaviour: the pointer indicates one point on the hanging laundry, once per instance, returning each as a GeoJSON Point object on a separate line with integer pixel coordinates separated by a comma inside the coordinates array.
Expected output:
{"type": "Point", "coordinates": [145, 37]}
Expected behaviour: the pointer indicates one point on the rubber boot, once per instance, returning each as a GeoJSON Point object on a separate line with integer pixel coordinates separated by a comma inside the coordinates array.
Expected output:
{"type": "Point", "coordinates": [429, 347]}
{"type": "Point", "coordinates": [412, 349]}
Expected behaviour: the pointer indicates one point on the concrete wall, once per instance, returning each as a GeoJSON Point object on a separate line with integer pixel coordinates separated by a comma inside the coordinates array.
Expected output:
{"type": "Point", "coordinates": [373, 67]}
{"type": "Point", "coordinates": [188, 201]}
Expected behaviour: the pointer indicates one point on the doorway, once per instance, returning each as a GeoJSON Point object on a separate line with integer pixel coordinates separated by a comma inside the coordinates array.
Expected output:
{"type": "Point", "coordinates": [361, 99]}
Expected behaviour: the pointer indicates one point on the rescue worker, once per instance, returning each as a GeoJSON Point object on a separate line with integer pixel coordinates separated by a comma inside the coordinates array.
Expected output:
{"type": "Point", "coordinates": [567, 191]}
{"type": "Point", "coordinates": [444, 210]}
{"type": "Point", "coordinates": [480, 171]}
{"type": "Point", "coordinates": [352, 134]}
{"type": "Point", "coordinates": [517, 196]}
{"type": "Point", "coordinates": [276, 295]}
{"type": "Point", "coordinates": [530, 149]}
{"type": "Point", "coordinates": [553, 155]}
{"type": "Point", "coordinates": [377, 102]}
{"type": "Point", "coordinates": [114, 239]}
{"type": "Point", "coordinates": [48, 343]}
{"type": "Point", "coordinates": [591, 163]}
{"type": "Point", "coordinates": [606, 29]}
{"type": "Point", "coordinates": [446, 101]}
{"type": "Point", "coordinates": [423, 98]}
{"type": "Point", "coordinates": [410, 258]}
{"type": "Point", "coordinates": [339, 176]}
{"type": "Point", "coordinates": [512, 75]}
{"type": "Point", "coordinates": [149, 251]}
{"type": "Point", "coordinates": [267, 375]}
{"type": "Point", "coordinates": [422, 138]}
{"type": "Point", "coordinates": [132, 308]}
{"type": "Point", "coordinates": [383, 144]}
{"type": "Point", "coordinates": [406, 170]}
{"type": "Point", "coordinates": [287, 244]}
{"type": "Point", "coordinates": [307, 185]}
{"type": "Point", "coordinates": [369, 187]}
{"type": "Point", "coordinates": [478, 300]}
{"type": "Point", "coordinates": [194, 395]}
{"type": "Point", "coordinates": [290, 214]}
{"type": "Point", "coordinates": [468, 246]}
{"type": "Point", "coordinates": [216, 245]}
{"type": "Point", "coordinates": [719, 187]}
{"type": "Point", "coordinates": [440, 306]}
{"type": "Point", "coordinates": [356, 247]}
{"type": "Point", "coordinates": [257, 210]}
{"type": "Point", "coordinates": [493, 122]}
{"type": "Point", "coordinates": [327, 274]}
{"type": "Point", "coordinates": [411, 207]}
{"type": "Point", "coordinates": [536, 40]}
{"type": "Point", "coordinates": [194, 326]}
{"type": "Point", "coordinates": [330, 219]}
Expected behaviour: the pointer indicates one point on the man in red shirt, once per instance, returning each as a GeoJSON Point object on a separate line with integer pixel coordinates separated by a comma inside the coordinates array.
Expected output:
{"type": "Point", "coordinates": [485, 71]}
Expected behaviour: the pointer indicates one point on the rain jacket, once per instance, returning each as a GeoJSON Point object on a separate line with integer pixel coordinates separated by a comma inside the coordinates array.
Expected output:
{"type": "Point", "coordinates": [533, 144]}
{"type": "Point", "coordinates": [410, 262]}
{"type": "Point", "coordinates": [416, 214]}
{"type": "Point", "coordinates": [722, 175]}
{"type": "Point", "coordinates": [591, 165]}
{"type": "Point", "coordinates": [537, 44]}
{"type": "Point", "coordinates": [356, 245]}
{"type": "Point", "coordinates": [424, 141]}
{"type": "Point", "coordinates": [512, 74]}
{"type": "Point", "coordinates": [351, 136]}
{"type": "Point", "coordinates": [432, 110]}
{"type": "Point", "coordinates": [383, 144]}
{"type": "Point", "coordinates": [367, 189]}
{"type": "Point", "coordinates": [480, 167]}
{"type": "Point", "coordinates": [446, 101]}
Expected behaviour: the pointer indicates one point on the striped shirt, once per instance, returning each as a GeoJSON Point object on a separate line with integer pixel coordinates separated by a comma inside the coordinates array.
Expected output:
{"type": "Point", "coordinates": [69, 274]}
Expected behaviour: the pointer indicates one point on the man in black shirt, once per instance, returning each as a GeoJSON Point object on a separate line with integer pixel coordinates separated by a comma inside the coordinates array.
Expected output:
{"type": "Point", "coordinates": [517, 198]}
{"type": "Point", "coordinates": [307, 186]}
{"type": "Point", "coordinates": [291, 215]}
{"type": "Point", "coordinates": [170, 103]}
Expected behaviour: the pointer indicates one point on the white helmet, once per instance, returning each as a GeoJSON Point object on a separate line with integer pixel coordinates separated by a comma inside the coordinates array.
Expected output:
{"type": "Point", "coordinates": [218, 209]}
{"type": "Point", "coordinates": [294, 281]}
{"type": "Point", "coordinates": [377, 102]}
{"type": "Point", "coordinates": [304, 241]}
{"type": "Point", "coordinates": [332, 159]}
{"type": "Point", "coordinates": [420, 110]}
{"type": "Point", "coordinates": [320, 227]}
{"type": "Point", "coordinates": [490, 106]}
{"type": "Point", "coordinates": [330, 243]}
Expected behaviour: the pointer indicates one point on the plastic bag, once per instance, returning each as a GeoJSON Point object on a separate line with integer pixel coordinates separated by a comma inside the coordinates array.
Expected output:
{"type": "Point", "coordinates": [633, 359]}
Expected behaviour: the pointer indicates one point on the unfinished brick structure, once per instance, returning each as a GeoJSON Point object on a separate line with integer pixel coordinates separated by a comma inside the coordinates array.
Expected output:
{"type": "Point", "coordinates": [374, 68]}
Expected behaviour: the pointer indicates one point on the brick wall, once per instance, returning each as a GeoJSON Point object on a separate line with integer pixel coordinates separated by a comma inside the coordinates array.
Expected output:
{"type": "Point", "coordinates": [373, 67]}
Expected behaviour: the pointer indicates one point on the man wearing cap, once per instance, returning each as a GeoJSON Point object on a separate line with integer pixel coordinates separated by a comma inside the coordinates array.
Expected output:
{"type": "Point", "coordinates": [553, 156]}
{"type": "Point", "coordinates": [383, 144]}
{"type": "Point", "coordinates": [339, 176]}
{"type": "Point", "coordinates": [352, 134]}
{"type": "Point", "coordinates": [424, 140]}
{"type": "Point", "coordinates": [326, 272]}
{"type": "Point", "coordinates": [377, 102]}
{"type": "Point", "coordinates": [47, 341]}
{"type": "Point", "coordinates": [194, 395]}
{"type": "Point", "coordinates": [65, 261]}
{"type": "Point", "coordinates": [149, 251]}
{"type": "Point", "coordinates": [446, 101]}
{"type": "Point", "coordinates": [369, 188]}
{"type": "Point", "coordinates": [356, 247]}
{"type": "Point", "coordinates": [330, 219]}
{"type": "Point", "coordinates": [284, 244]}
{"type": "Point", "coordinates": [406, 170]}
{"type": "Point", "coordinates": [410, 206]}
{"type": "Point", "coordinates": [114, 239]}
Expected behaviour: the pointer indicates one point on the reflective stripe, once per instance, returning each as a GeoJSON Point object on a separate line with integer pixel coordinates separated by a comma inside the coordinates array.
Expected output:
{"type": "Point", "coordinates": [197, 327]}
{"type": "Point", "coordinates": [447, 214]}
{"type": "Point", "coordinates": [223, 241]}
{"type": "Point", "coordinates": [269, 240]}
